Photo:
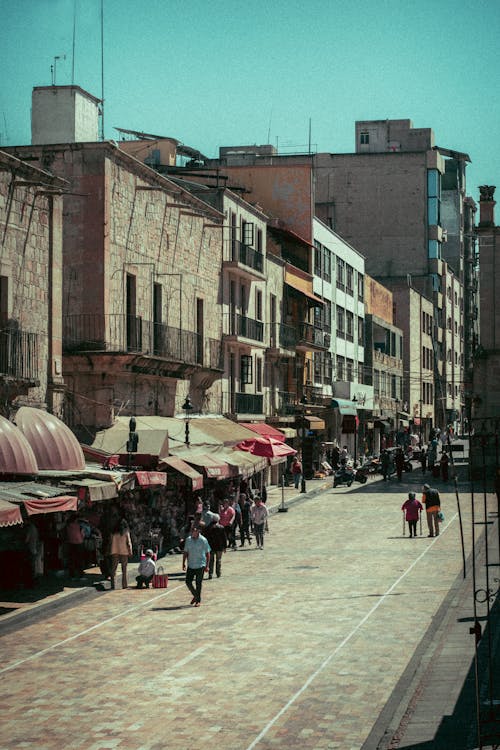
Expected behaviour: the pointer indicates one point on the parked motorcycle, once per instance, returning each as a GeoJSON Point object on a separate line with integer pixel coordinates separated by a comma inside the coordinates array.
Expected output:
{"type": "Point", "coordinates": [344, 475]}
{"type": "Point", "coordinates": [361, 473]}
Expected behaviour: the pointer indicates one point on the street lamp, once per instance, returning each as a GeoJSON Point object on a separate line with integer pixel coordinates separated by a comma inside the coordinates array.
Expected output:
{"type": "Point", "coordinates": [303, 401]}
{"type": "Point", "coordinates": [187, 406]}
{"type": "Point", "coordinates": [132, 442]}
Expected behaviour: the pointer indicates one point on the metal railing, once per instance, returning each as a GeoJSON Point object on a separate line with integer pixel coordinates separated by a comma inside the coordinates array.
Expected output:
{"type": "Point", "coordinates": [248, 403]}
{"type": "Point", "coordinates": [19, 354]}
{"type": "Point", "coordinates": [287, 404]}
{"type": "Point", "coordinates": [128, 333]}
{"type": "Point", "coordinates": [248, 256]}
{"type": "Point", "coordinates": [247, 327]}
{"type": "Point", "coordinates": [311, 334]}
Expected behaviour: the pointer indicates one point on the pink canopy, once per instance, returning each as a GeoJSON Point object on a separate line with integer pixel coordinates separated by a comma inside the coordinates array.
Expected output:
{"type": "Point", "coordinates": [266, 446]}
{"type": "Point", "coordinates": [16, 454]}
{"type": "Point", "coordinates": [53, 443]}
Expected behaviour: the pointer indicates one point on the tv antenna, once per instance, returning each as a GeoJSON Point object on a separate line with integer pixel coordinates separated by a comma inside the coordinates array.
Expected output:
{"type": "Point", "coordinates": [53, 68]}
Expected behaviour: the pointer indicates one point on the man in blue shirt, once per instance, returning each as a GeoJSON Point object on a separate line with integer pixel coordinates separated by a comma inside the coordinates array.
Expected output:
{"type": "Point", "coordinates": [197, 555]}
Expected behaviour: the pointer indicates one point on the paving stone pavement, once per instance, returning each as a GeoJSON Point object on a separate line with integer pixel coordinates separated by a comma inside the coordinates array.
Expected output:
{"type": "Point", "coordinates": [300, 645]}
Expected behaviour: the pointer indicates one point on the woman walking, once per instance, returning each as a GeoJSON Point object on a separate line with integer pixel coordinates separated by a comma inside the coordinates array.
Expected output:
{"type": "Point", "coordinates": [412, 508]}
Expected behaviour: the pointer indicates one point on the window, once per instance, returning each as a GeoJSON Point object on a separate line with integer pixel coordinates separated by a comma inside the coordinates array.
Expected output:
{"type": "Point", "coordinates": [349, 370]}
{"type": "Point", "coordinates": [361, 287]}
{"type": "Point", "coordinates": [433, 197]}
{"type": "Point", "coordinates": [361, 331]}
{"type": "Point", "coordinates": [361, 372]}
{"type": "Point", "coordinates": [340, 367]}
{"type": "Point", "coordinates": [259, 240]}
{"type": "Point", "coordinates": [340, 322]}
{"type": "Point", "coordinates": [246, 374]}
{"type": "Point", "coordinates": [364, 138]}
{"type": "Point", "coordinates": [340, 273]}
{"type": "Point", "coordinates": [349, 279]}
{"type": "Point", "coordinates": [327, 264]}
{"type": "Point", "coordinates": [318, 367]}
{"type": "Point", "coordinates": [328, 367]}
{"type": "Point", "coordinates": [258, 367]}
{"type": "Point", "coordinates": [317, 258]}
{"type": "Point", "coordinates": [247, 235]}
{"type": "Point", "coordinates": [434, 249]}
{"type": "Point", "coordinates": [258, 304]}
{"type": "Point", "coordinates": [349, 333]}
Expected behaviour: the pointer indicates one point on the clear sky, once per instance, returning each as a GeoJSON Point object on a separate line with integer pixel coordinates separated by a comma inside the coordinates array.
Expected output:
{"type": "Point", "coordinates": [217, 73]}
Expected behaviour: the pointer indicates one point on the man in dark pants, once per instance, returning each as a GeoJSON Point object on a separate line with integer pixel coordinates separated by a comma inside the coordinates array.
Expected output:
{"type": "Point", "coordinates": [432, 503]}
{"type": "Point", "coordinates": [216, 537]}
{"type": "Point", "coordinates": [197, 555]}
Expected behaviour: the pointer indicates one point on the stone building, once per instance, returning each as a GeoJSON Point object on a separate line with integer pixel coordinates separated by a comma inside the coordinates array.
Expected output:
{"type": "Point", "coordinates": [31, 368]}
{"type": "Point", "coordinates": [141, 288]}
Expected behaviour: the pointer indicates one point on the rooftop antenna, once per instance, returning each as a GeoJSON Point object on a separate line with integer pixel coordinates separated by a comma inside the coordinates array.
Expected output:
{"type": "Point", "coordinates": [309, 135]}
{"type": "Point", "coordinates": [53, 68]}
{"type": "Point", "coordinates": [102, 70]}
{"type": "Point", "coordinates": [73, 49]}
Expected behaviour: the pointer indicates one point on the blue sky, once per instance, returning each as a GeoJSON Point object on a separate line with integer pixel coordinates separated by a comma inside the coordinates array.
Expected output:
{"type": "Point", "coordinates": [218, 73]}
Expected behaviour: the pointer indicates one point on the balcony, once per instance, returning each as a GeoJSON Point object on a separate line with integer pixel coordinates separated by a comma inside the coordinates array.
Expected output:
{"type": "Point", "coordinates": [286, 405]}
{"type": "Point", "coordinates": [244, 261]}
{"type": "Point", "coordinates": [247, 328]}
{"type": "Point", "coordinates": [310, 337]}
{"type": "Point", "coordinates": [132, 334]}
{"type": "Point", "coordinates": [19, 353]}
{"type": "Point", "coordinates": [248, 403]}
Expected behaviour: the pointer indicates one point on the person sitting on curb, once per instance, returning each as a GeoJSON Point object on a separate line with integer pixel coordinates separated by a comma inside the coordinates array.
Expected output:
{"type": "Point", "coordinates": [146, 570]}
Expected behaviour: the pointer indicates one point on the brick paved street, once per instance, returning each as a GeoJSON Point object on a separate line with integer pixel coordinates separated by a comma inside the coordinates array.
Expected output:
{"type": "Point", "coordinates": [296, 646]}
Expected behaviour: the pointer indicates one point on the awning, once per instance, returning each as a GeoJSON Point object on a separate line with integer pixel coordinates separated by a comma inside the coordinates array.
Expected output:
{"type": "Point", "coordinates": [315, 423]}
{"type": "Point", "coordinates": [213, 468]}
{"type": "Point", "coordinates": [403, 422]}
{"type": "Point", "coordinates": [50, 504]}
{"type": "Point", "coordinates": [10, 515]}
{"type": "Point", "coordinates": [151, 478]}
{"type": "Point", "coordinates": [262, 428]}
{"type": "Point", "coordinates": [96, 489]}
{"type": "Point", "coordinates": [383, 424]}
{"type": "Point", "coordinates": [344, 406]}
{"type": "Point", "coordinates": [176, 463]}
{"type": "Point", "coordinates": [288, 432]}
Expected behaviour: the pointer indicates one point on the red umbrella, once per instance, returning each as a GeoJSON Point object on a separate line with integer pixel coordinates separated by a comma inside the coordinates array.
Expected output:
{"type": "Point", "coordinates": [266, 446]}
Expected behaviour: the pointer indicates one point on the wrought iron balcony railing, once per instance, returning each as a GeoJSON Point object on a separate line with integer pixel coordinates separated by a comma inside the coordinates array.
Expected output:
{"type": "Point", "coordinates": [127, 333]}
{"type": "Point", "coordinates": [311, 334]}
{"type": "Point", "coordinates": [248, 256]}
{"type": "Point", "coordinates": [247, 327]}
{"type": "Point", "coordinates": [19, 352]}
{"type": "Point", "coordinates": [248, 403]}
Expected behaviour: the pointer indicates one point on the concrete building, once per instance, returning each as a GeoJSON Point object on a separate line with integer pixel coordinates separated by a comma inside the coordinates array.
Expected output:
{"type": "Point", "coordinates": [400, 200]}
{"type": "Point", "coordinates": [63, 114]}
{"type": "Point", "coordinates": [31, 217]}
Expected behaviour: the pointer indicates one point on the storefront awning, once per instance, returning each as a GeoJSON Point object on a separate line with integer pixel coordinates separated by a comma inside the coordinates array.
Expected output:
{"type": "Point", "coordinates": [344, 406]}
{"type": "Point", "coordinates": [213, 468]}
{"type": "Point", "coordinates": [315, 423]}
{"type": "Point", "coordinates": [10, 515]}
{"type": "Point", "coordinates": [50, 504]}
{"type": "Point", "coordinates": [151, 478]}
{"type": "Point", "coordinates": [176, 463]}
{"type": "Point", "coordinates": [288, 432]}
{"type": "Point", "coordinates": [261, 428]}
{"type": "Point", "coordinates": [96, 489]}
{"type": "Point", "coordinates": [383, 424]}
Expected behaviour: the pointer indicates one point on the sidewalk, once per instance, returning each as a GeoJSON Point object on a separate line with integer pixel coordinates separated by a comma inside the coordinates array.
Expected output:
{"type": "Point", "coordinates": [19, 607]}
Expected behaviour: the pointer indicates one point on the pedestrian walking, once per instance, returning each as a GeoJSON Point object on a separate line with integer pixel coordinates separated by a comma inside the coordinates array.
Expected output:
{"type": "Point", "coordinates": [444, 463]}
{"type": "Point", "coordinates": [121, 550]}
{"type": "Point", "coordinates": [246, 506]}
{"type": "Point", "coordinates": [216, 537]}
{"type": "Point", "coordinates": [227, 515]}
{"type": "Point", "coordinates": [197, 556]}
{"type": "Point", "coordinates": [259, 517]}
{"type": "Point", "coordinates": [412, 509]}
{"type": "Point", "coordinates": [74, 539]}
{"type": "Point", "coordinates": [423, 459]}
{"type": "Point", "coordinates": [296, 472]}
{"type": "Point", "coordinates": [432, 503]}
{"type": "Point", "coordinates": [399, 460]}
{"type": "Point", "coordinates": [384, 464]}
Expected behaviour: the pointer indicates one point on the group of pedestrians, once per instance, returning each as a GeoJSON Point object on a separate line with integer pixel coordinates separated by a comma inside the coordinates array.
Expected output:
{"type": "Point", "coordinates": [212, 534]}
{"type": "Point", "coordinates": [412, 508]}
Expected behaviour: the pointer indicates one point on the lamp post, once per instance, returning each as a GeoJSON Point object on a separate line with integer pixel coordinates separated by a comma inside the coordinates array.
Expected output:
{"type": "Point", "coordinates": [303, 401]}
{"type": "Point", "coordinates": [188, 407]}
{"type": "Point", "coordinates": [132, 442]}
{"type": "Point", "coordinates": [355, 401]}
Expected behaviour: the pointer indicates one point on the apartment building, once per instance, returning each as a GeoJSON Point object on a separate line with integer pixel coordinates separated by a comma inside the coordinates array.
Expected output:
{"type": "Point", "coordinates": [376, 198]}
{"type": "Point", "coordinates": [31, 210]}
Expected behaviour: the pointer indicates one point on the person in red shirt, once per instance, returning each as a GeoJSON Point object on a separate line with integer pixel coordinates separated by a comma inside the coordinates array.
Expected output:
{"type": "Point", "coordinates": [227, 514]}
{"type": "Point", "coordinates": [412, 508]}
